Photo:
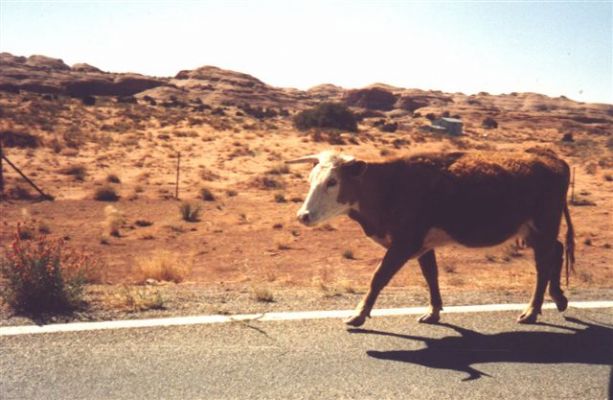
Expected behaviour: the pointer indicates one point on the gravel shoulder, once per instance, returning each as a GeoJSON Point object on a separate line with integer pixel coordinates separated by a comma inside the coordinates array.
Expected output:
{"type": "Point", "coordinates": [106, 302]}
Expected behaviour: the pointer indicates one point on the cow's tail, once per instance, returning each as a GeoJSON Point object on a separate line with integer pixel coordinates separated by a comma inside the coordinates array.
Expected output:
{"type": "Point", "coordinates": [570, 244]}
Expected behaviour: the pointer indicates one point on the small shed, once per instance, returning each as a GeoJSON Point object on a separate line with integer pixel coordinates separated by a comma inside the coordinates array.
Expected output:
{"type": "Point", "coordinates": [451, 126]}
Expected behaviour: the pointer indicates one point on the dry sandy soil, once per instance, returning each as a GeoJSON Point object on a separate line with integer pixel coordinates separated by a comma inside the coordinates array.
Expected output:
{"type": "Point", "coordinates": [246, 242]}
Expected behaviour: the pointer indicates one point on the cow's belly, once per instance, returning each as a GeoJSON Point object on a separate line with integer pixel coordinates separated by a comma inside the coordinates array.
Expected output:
{"type": "Point", "coordinates": [475, 236]}
{"type": "Point", "coordinates": [385, 241]}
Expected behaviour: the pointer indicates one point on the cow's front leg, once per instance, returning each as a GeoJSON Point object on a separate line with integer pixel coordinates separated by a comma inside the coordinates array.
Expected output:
{"type": "Point", "coordinates": [393, 260]}
{"type": "Point", "coordinates": [429, 270]}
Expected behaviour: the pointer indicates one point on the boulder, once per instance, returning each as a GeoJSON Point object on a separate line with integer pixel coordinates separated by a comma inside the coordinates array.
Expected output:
{"type": "Point", "coordinates": [44, 62]}
{"type": "Point", "coordinates": [84, 67]}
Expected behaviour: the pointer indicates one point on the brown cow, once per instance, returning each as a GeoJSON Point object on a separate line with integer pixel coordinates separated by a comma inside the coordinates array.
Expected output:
{"type": "Point", "coordinates": [413, 205]}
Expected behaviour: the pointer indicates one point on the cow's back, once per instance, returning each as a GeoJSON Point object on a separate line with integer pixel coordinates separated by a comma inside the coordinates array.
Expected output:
{"type": "Point", "coordinates": [483, 198]}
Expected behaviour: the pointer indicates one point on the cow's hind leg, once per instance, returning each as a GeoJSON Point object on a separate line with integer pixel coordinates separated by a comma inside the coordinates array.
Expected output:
{"type": "Point", "coordinates": [429, 270]}
{"type": "Point", "coordinates": [555, 291]}
{"type": "Point", "coordinates": [393, 260]}
{"type": "Point", "coordinates": [543, 252]}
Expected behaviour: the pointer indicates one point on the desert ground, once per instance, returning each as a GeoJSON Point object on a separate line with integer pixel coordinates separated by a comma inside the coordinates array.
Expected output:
{"type": "Point", "coordinates": [76, 131]}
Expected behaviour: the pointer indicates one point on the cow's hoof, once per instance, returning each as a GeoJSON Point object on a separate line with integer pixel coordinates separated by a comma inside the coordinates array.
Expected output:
{"type": "Point", "coordinates": [429, 318]}
{"type": "Point", "coordinates": [356, 321]}
{"type": "Point", "coordinates": [561, 302]}
{"type": "Point", "coordinates": [528, 317]}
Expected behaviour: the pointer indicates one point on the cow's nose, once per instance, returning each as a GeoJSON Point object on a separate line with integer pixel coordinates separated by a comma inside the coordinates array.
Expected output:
{"type": "Point", "coordinates": [304, 217]}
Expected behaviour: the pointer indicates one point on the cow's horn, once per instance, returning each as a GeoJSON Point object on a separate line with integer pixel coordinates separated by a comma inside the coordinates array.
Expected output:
{"type": "Point", "coordinates": [305, 159]}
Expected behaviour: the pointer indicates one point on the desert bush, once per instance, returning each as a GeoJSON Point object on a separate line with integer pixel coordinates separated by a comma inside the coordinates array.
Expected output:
{"type": "Point", "coordinates": [20, 192]}
{"type": "Point", "coordinates": [150, 100]}
{"type": "Point", "coordinates": [106, 193]}
{"type": "Point", "coordinates": [73, 137]}
{"type": "Point", "coordinates": [582, 202]}
{"type": "Point", "coordinates": [279, 169]}
{"type": "Point", "coordinates": [389, 127]}
{"type": "Point", "coordinates": [348, 254]}
{"type": "Point", "coordinates": [326, 115]}
{"type": "Point", "coordinates": [88, 100]}
{"type": "Point", "coordinates": [163, 266]}
{"type": "Point", "coordinates": [280, 198]}
{"type": "Point", "coordinates": [411, 103]}
{"type": "Point", "coordinates": [450, 269]}
{"type": "Point", "coordinates": [19, 139]}
{"type": "Point", "coordinates": [258, 112]}
{"type": "Point", "coordinates": [489, 123]}
{"type": "Point", "coordinates": [207, 175]}
{"type": "Point", "coordinates": [372, 98]}
{"type": "Point", "coordinates": [79, 172]}
{"type": "Point", "coordinates": [206, 194]}
{"type": "Point", "coordinates": [55, 145]}
{"type": "Point", "coordinates": [591, 168]}
{"type": "Point", "coordinates": [42, 275]}
{"type": "Point", "coordinates": [113, 178]}
{"type": "Point", "coordinates": [143, 223]}
{"type": "Point", "coordinates": [190, 212]}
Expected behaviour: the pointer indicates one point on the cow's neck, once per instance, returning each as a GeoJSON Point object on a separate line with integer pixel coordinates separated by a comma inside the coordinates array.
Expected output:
{"type": "Point", "coordinates": [369, 210]}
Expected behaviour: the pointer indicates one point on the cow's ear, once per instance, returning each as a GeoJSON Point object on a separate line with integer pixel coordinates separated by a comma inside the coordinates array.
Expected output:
{"type": "Point", "coordinates": [355, 168]}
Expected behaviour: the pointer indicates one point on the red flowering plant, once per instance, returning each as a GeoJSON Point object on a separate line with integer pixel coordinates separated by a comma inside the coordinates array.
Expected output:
{"type": "Point", "coordinates": [43, 275]}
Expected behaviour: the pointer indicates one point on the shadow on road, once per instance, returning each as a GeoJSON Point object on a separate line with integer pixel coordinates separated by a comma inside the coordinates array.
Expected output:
{"type": "Point", "coordinates": [592, 344]}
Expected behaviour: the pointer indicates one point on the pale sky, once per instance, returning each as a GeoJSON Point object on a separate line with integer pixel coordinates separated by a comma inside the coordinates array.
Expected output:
{"type": "Point", "coordinates": [554, 48]}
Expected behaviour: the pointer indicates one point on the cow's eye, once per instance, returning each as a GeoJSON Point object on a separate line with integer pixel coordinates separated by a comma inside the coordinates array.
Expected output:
{"type": "Point", "coordinates": [331, 182]}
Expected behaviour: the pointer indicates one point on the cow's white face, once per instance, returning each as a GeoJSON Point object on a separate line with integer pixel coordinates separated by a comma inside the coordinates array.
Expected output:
{"type": "Point", "coordinates": [322, 202]}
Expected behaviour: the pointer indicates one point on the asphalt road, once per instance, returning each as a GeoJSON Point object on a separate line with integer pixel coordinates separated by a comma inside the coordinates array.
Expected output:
{"type": "Point", "coordinates": [468, 356]}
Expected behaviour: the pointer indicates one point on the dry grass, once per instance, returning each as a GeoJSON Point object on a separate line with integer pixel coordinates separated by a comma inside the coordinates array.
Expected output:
{"type": "Point", "coordinates": [29, 226]}
{"type": "Point", "coordinates": [135, 299]}
{"type": "Point", "coordinates": [113, 220]}
{"type": "Point", "coordinates": [163, 266]}
{"type": "Point", "coordinates": [279, 169]}
{"type": "Point", "coordinates": [262, 293]}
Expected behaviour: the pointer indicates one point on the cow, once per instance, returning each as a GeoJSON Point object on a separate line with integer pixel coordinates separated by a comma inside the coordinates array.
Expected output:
{"type": "Point", "coordinates": [414, 205]}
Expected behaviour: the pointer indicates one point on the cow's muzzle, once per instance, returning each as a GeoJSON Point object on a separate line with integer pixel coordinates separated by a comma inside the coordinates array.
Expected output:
{"type": "Point", "coordinates": [304, 217]}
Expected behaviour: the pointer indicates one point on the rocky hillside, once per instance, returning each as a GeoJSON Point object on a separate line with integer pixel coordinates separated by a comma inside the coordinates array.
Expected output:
{"type": "Point", "coordinates": [211, 87]}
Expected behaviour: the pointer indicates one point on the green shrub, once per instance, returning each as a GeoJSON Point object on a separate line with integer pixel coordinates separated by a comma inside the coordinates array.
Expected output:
{"type": "Point", "coordinates": [42, 275]}
{"type": "Point", "coordinates": [326, 115]}
{"type": "Point", "coordinates": [190, 212]}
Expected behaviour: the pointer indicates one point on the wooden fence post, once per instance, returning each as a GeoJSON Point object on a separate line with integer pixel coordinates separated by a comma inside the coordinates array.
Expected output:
{"type": "Point", "coordinates": [1, 173]}
{"type": "Point", "coordinates": [39, 190]}
{"type": "Point", "coordinates": [178, 168]}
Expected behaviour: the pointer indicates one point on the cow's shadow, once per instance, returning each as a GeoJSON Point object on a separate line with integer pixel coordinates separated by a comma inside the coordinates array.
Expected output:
{"type": "Point", "coordinates": [591, 344]}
